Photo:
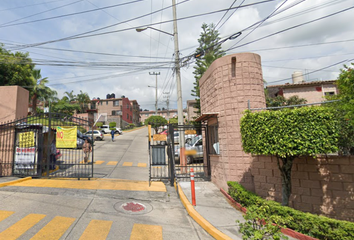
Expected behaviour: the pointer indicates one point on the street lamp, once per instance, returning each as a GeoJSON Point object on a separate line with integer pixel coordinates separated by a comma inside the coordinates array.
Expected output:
{"type": "Point", "coordinates": [178, 77]}
{"type": "Point", "coordinates": [143, 29]}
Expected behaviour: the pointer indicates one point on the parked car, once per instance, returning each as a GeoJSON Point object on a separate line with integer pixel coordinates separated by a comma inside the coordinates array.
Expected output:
{"type": "Point", "coordinates": [105, 129]}
{"type": "Point", "coordinates": [119, 131]}
{"type": "Point", "coordinates": [84, 137]}
{"type": "Point", "coordinates": [79, 143]}
{"type": "Point", "coordinates": [194, 149]}
{"type": "Point", "coordinates": [187, 137]}
{"type": "Point", "coordinates": [96, 134]}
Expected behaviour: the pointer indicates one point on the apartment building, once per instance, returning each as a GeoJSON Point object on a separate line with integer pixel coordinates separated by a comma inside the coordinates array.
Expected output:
{"type": "Point", "coordinates": [118, 110]}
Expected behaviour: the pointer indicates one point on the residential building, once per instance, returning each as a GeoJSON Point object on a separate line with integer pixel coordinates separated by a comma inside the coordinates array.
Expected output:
{"type": "Point", "coordinates": [191, 110]}
{"type": "Point", "coordinates": [136, 112]}
{"type": "Point", "coordinates": [313, 92]}
{"type": "Point", "coordinates": [118, 110]}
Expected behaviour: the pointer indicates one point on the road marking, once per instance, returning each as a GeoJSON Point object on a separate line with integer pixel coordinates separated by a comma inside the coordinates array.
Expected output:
{"type": "Point", "coordinates": [96, 230]}
{"type": "Point", "coordinates": [19, 228]}
{"type": "Point", "coordinates": [105, 184]}
{"type": "Point", "coordinates": [142, 164]}
{"type": "Point", "coordinates": [146, 232]}
{"type": "Point", "coordinates": [5, 214]}
{"type": "Point", "coordinates": [127, 164]}
{"type": "Point", "coordinates": [54, 229]}
{"type": "Point", "coordinates": [99, 162]}
{"type": "Point", "coordinates": [112, 163]}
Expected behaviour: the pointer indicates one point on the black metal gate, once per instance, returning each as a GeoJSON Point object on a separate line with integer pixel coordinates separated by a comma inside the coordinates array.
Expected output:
{"type": "Point", "coordinates": [26, 147]}
{"type": "Point", "coordinates": [165, 154]}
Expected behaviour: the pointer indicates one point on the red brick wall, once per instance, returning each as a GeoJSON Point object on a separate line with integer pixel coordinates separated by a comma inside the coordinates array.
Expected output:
{"type": "Point", "coordinates": [322, 185]}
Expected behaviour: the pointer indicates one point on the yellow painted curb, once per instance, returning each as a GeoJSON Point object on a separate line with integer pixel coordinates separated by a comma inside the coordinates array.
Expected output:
{"type": "Point", "coordinates": [15, 181]}
{"type": "Point", "coordinates": [199, 219]}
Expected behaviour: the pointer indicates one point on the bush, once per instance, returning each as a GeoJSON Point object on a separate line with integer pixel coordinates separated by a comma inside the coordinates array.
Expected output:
{"type": "Point", "coordinates": [310, 224]}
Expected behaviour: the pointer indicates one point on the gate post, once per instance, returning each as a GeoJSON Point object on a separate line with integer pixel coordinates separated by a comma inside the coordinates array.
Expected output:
{"type": "Point", "coordinates": [48, 141]}
{"type": "Point", "coordinates": [172, 155]}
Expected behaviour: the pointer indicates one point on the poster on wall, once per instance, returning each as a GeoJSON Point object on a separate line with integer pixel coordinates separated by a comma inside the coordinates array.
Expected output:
{"type": "Point", "coordinates": [25, 158]}
{"type": "Point", "coordinates": [26, 139]}
{"type": "Point", "coordinates": [66, 137]}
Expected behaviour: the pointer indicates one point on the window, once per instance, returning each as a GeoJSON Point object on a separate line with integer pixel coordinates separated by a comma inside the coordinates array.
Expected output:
{"type": "Point", "coordinates": [116, 113]}
{"type": "Point", "coordinates": [127, 116]}
{"type": "Point", "coordinates": [146, 114]}
{"type": "Point", "coordinates": [113, 113]}
{"type": "Point", "coordinates": [127, 106]}
{"type": "Point", "coordinates": [213, 139]}
{"type": "Point", "coordinates": [116, 103]}
{"type": "Point", "coordinates": [101, 102]}
{"type": "Point", "coordinates": [329, 93]}
{"type": "Point", "coordinates": [106, 102]}
{"type": "Point", "coordinates": [233, 67]}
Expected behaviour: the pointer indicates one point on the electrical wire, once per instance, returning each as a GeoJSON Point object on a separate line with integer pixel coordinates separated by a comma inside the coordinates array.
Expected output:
{"type": "Point", "coordinates": [4, 24]}
{"type": "Point", "coordinates": [70, 14]}
{"type": "Point", "coordinates": [7, 9]}
{"type": "Point", "coordinates": [83, 35]}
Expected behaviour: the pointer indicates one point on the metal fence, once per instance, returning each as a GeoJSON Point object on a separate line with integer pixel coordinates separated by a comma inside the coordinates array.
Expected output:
{"type": "Point", "coordinates": [25, 147]}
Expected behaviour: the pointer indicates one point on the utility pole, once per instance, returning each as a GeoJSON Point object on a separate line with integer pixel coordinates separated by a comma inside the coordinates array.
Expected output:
{"type": "Point", "coordinates": [155, 73]}
{"type": "Point", "coordinates": [179, 87]}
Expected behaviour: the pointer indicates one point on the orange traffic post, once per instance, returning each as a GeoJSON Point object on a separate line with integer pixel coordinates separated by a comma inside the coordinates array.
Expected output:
{"type": "Point", "coordinates": [193, 187]}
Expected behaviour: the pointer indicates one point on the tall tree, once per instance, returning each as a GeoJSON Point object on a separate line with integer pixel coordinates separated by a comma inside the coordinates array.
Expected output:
{"type": "Point", "coordinates": [40, 91]}
{"type": "Point", "coordinates": [70, 96]}
{"type": "Point", "coordinates": [208, 44]}
{"type": "Point", "coordinates": [84, 100]}
{"type": "Point", "coordinates": [15, 69]}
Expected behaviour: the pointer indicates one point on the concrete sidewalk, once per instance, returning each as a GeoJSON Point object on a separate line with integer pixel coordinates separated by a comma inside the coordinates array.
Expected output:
{"type": "Point", "coordinates": [212, 211]}
{"type": "Point", "coordinates": [213, 207]}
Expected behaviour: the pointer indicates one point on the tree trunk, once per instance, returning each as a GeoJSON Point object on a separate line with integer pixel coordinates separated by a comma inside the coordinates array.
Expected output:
{"type": "Point", "coordinates": [34, 104]}
{"type": "Point", "coordinates": [285, 170]}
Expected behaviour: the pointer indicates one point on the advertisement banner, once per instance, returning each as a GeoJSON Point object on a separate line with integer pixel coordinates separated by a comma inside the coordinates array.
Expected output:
{"type": "Point", "coordinates": [66, 137]}
{"type": "Point", "coordinates": [26, 139]}
{"type": "Point", "coordinates": [25, 158]}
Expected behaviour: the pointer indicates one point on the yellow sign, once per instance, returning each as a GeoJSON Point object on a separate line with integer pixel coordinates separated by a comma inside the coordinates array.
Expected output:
{"type": "Point", "coordinates": [66, 137]}
{"type": "Point", "coordinates": [190, 132]}
{"type": "Point", "coordinates": [160, 137]}
{"type": "Point", "coordinates": [26, 139]}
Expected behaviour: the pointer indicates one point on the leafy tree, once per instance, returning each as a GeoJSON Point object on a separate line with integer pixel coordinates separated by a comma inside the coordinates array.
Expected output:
{"type": "Point", "coordinates": [279, 101]}
{"type": "Point", "coordinates": [208, 44]}
{"type": "Point", "coordinates": [344, 109]}
{"type": "Point", "coordinates": [84, 100]}
{"type": "Point", "coordinates": [155, 122]}
{"type": "Point", "coordinates": [15, 69]}
{"type": "Point", "coordinates": [99, 124]}
{"type": "Point", "coordinates": [290, 133]}
{"type": "Point", "coordinates": [173, 121]}
{"type": "Point", "coordinates": [112, 125]}
{"type": "Point", "coordinates": [40, 91]}
{"type": "Point", "coordinates": [70, 96]}
{"type": "Point", "coordinates": [65, 106]}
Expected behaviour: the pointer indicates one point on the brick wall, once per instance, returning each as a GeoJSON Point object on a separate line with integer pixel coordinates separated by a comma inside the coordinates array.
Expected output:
{"type": "Point", "coordinates": [225, 88]}
{"type": "Point", "coordinates": [322, 185]}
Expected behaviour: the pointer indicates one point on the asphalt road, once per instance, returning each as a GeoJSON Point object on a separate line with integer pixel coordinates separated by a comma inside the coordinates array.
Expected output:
{"type": "Point", "coordinates": [99, 209]}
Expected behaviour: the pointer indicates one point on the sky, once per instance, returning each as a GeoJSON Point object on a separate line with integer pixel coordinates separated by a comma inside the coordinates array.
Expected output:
{"type": "Point", "coordinates": [93, 46]}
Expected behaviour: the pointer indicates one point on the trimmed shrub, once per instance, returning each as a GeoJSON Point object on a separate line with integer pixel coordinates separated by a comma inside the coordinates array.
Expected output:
{"type": "Point", "coordinates": [310, 224]}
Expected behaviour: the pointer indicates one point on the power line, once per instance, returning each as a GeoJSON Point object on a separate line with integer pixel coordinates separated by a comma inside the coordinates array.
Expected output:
{"type": "Point", "coordinates": [293, 27]}
{"type": "Point", "coordinates": [4, 24]}
{"type": "Point", "coordinates": [66, 15]}
{"type": "Point", "coordinates": [7, 9]}
{"type": "Point", "coordinates": [77, 36]}
{"type": "Point", "coordinates": [318, 70]}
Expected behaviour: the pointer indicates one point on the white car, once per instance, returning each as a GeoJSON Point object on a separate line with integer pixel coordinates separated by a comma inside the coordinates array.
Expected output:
{"type": "Point", "coordinates": [194, 149]}
{"type": "Point", "coordinates": [96, 134]}
{"type": "Point", "coordinates": [119, 131]}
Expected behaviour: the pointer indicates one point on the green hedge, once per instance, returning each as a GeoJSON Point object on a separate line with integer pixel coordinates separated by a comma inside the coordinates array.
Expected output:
{"type": "Point", "coordinates": [309, 224]}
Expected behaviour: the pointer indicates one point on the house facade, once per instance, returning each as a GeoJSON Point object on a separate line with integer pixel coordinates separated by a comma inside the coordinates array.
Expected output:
{"type": "Point", "coordinates": [191, 110]}
{"type": "Point", "coordinates": [119, 110]}
{"type": "Point", "coordinates": [313, 92]}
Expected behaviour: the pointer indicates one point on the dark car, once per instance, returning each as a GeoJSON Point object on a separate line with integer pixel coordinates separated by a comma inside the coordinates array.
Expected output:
{"type": "Point", "coordinates": [84, 137]}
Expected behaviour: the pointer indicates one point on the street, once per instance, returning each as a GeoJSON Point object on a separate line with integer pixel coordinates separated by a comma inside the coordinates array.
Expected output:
{"type": "Point", "coordinates": [116, 204]}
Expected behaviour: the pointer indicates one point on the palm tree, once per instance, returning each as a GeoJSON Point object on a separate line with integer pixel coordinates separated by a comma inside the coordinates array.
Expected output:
{"type": "Point", "coordinates": [83, 99]}
{"type": "Point", "coordinates": [40, 91]}
{"type": "Point", "coordinates": [70, 96]}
